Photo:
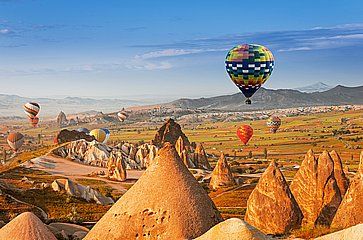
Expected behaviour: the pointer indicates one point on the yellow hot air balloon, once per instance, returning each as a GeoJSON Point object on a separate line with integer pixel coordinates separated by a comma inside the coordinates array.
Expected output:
{"type": "Point", "coordinates": [99, 134]}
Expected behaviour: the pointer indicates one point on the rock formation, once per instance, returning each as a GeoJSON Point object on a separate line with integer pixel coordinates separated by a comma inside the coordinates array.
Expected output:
{"type": "Point", "coordinates": [271, 206]}
{"type": "Point", "coordinates": [352, 233]}
{"type": "Point", "coordinates": [169, 132]}
{"type": "Point", "coordinates": [222, 175]}
{"type": "Point", "coordinates": [80, 191]}
{"type": "Point", "coordinates": [116, 167]}
{"type": "Point", "coordinates": [26, 226]}
{"type": "Point", "coordinates": [68, 229]}
{"type": "Point", "coordinates": [72, 135]}
{"type": "Point", "coordinates": [315, 189]}
{"type": "Point", "coordinates": [342, 180]}
{"type": "Point", "coordinates": [350, 211]}
{"type": "Point", "coordinates": [200, 158]}
{"type": "Point", "coordinates": [232, 229]}
{"type": "Point", "coordinates": [181, 146]}
{"type": "Point", "coordinates": [62, 119]}
{"type": "Point", "coordinates": [173, 205]}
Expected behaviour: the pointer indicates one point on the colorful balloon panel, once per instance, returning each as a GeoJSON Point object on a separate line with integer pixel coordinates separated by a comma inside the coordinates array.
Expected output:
{"type": "Point", "coordinates": [108, 134]}
{"type": "Point", "coordinates": [274, 123]}
{"type": "Point", "coordinates": [15, 140]}
{"type": "Point", "coordinates": [99, 134]}
{"type": "Point", "coordinates": [31, 109]}
{"type": "Point", "coordinates": [122, 116]}
{"type": "Point", "coordinates": [245, 133]}
{"type": "Point", "coordinates": [249, 66]}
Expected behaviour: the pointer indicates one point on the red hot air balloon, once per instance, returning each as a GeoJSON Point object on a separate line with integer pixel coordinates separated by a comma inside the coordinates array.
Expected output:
{"type": "Point", "coordinates": [34, 121]}
{"type": "Point", "coordinates": [245, 133]}
{"type": "Point", "coordinates": [15, 140]}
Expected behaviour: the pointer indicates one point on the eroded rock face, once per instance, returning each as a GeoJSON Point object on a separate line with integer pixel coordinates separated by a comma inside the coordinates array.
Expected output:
{"type": "Point", "coordinates": [355, 232]}
{"type": "Point", "coordinates": [80, 191]}
{"type": "Point", "coordinates": [316, 190]}
{"type": "Point", "coordinates": [62, 119]}
{"type": "Point", "coordinates": [26, 226]}
{"type": "Point", "coordinates": [200, 158]}
{"type": "Point", "coordinates": [116, 167]}
{"type": "Point", "coordinates": [173, 205]}
{"type": "Point", "coordinates": [222, 175]}
{"type": "Point", "coordinates": [233, 229]}
{"type": "Point", "coordinates": [271, 206]}
{"type": "Point", "coordinates": [169, 132]}
{"type": "Point", "coordinates": [342, 180]}
{"type": "Point", "coordinates": [350, 211]}
{"type": "Point", "coordinates": [72, 135]}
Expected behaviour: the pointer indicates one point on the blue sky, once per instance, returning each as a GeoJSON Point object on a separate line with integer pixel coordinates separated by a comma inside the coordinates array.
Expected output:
{"type": "Point", "coordinates": [171, 49]}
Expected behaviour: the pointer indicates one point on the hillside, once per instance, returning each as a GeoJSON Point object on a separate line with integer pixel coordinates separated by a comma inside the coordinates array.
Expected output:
{"type": "Point", "coordinates": [270, 99]}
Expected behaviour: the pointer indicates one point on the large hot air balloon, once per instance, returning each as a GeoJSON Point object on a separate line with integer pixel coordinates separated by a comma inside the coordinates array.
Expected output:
{"type": "Point", "coordinates": [274, 122]}
{"type": "Point", "coordinates": [31, 109]}
{"type": "Point", "coordinates": [15, 140]}
{"type": "Point", "coordinates": [245, 133]}
{"type": "Point", "coordinates": [84, 130]}
{"type": "Point", "coordinates": [34, 121]}
{"type": "Point", "coordinates": [249, 66]}
{"type": "Point", "coordinates": [122, 116]}
{"type": "Point", "coordinates": [99, 134]}
{"type": "Point", "coordinates": [108, 134]}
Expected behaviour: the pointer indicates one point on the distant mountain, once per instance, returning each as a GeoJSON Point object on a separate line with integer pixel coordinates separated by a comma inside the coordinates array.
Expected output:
{"type": "Point", "coordinates": [271, 99]}
{"type": "Point", "coordinates": [317, 87]}
{"type": "Point", "coordinates": [12, 105]}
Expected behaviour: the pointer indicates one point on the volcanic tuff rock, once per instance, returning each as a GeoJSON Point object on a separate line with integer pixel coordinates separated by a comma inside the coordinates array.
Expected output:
{"type": "Point", "coordinates": [173, 205]}
{"type": "Point", "coordinates": [68, 136]}
{"type": "Point", "coordinates": [169, 132]}
{"type": "Point", "coordinates": [62, 119]}
{"type": "Point", "coordinates": [222, 175]}
{"type": "Point", "coordinates": [67, 228]}
{"type": "Point", "coordinates": [232, 229]}
{"type": "Point", "coordinates": [26, 226]}
{"type": "Point", "coordinates": [271, 207]}
{"type": "Point", "coordinates": [200, 158]}
{"type": "Point", "coordinates": [80, 191]}
{"type": "Point", "coordinates": [342, 180]}
{"type": "Point", "coordinates": [352, 233]}
{"type": "Point", "coordinates": [350, 211]}
{"type": "Point", "coordinates": [315, 189]}
{"type": "Point", "coordinates": [116, 167]}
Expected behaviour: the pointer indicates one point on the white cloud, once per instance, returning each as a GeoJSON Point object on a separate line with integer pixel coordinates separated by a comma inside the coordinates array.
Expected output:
{"type": "Point", "coordinates": [143, 65]}
{"type": "Point", "coordinates": [295, 49]}
{"type": "Point", "coordinates": [4, 31]}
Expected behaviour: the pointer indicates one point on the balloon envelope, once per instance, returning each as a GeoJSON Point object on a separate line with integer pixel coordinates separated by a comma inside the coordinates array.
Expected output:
{"type": "Point", "coordinates": [108, 134]}
{"type": "Point", "coordinates": [245, 133]}
{"type": "Point", "coordinates": [15, 140]}
{"type": "Point", "coordinates": [122, 116]}
{"type": "Point", "coordinates": [249, 66]}
{"type": "Point", "coordinates": [274, 122]}
{"type": "Point", "coordinates": [31, 109]}
{"type": "Point", "coordinates": [99, 134]}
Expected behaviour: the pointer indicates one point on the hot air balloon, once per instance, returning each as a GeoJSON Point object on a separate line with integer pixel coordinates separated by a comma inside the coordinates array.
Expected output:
{"type": "Point", "coordinates": [108, 133]}
{"type": "Point", "coordinates": [122, 116]}
{"type": "Point", "coordinates": [15, 140]}
{"type": "Point", "coordinates": [99, 134]}
{"type": "Point", "coordinates": [245, 133]}
{"type": "Point", "coordinates": [249, 66]}
{"type": "Point", "coordinates": [84, 130]}
{"type": "Point", "coordinates": [34, 121]}
{"type": "Point", "coordinates": [31, 109]}
{"type": "Point", "coordinates": [274, 122]}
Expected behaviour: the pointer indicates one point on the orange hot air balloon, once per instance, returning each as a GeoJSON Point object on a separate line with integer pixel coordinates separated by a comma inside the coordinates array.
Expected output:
{"type": "Point", "coordinates": [15, 140]}
{"type": "Point", "coordinates": [245, 133]}
{"type": "Point", "coordinates": [34, 121]}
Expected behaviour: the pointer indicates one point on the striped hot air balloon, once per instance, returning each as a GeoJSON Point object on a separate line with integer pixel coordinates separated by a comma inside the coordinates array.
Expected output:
{"type": "Point", "coordinates": [34, 121]}
{"type": "Point", "coordinates": [274, 122]}
{"type": "Point", "coordinates": [122, 116]}
{"type": "Point", "coordinates": [31, 109]}
{"type": "Point", "coordinates": [245, 133]}
{"type": "Point", "coordinates": [99, 134]}
{"type": "Point", "coordinates": [15, 140]}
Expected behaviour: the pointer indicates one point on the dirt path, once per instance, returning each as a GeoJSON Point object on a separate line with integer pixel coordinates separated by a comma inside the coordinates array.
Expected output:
{"type": "Point", "coordinates": [73, 170]}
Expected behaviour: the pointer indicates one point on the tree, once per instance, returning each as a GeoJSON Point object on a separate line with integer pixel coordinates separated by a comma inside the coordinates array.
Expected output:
{"type": "Point", "coordinates": [250, 154]}
{"type": "Point", "coordinates": [265, 153]}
